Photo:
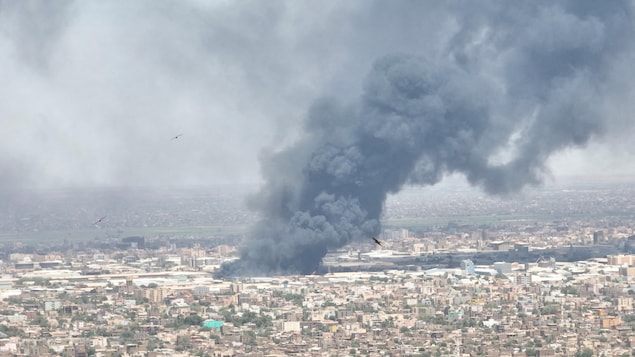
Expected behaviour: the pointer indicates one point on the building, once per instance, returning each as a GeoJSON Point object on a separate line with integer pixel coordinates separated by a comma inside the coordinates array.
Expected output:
{"type": "Point", "coordinates": [52, 305]}
{"type": "Point", "coordinates": [523, 279]}
{"type": "Point", "coordinates": [134, 242]}
{"type": "Point", "coordinates": [610, 322]}
{"type": "Point", "coordinates": [598, 237]}
{"type": "Point", "coordinates": [468, 267]}
{"type": "Point", "coordinates": [624, 303]}
{"type": "Point", "coordinates": [522, 248]}
{"type": "Point", "coordinates": [500, 245]}
{"type": "Point", "coordinates": [621, 259]}
{"type": "Point", "coordinates": [503, 267]}
{"type": "Point", "coordinates": [627, 271]}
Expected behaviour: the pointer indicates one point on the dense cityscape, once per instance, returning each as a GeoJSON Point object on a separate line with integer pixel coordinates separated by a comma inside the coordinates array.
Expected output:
{"type": "Point", "coordinates": [317, 178]}
{"type": "Point", "coordinates": [98, 290]}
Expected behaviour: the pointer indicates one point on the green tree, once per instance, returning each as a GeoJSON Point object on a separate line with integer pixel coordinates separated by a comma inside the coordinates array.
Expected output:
{"type": "Point", "coordinates": [550, 309]}
{"type": "Point", "coordinates": [215, 337]}
{"type": "Point", "coordinates": [585, 352]}
{"type": "Point", "coordinates": [250, 338]}
{"type": "Point", "coordinates": [11, 331]}
{"type": "Point", "coordinates": [40, 321]}
{"type": "Point", "coordinates": [183, 343]}
{"type": "Point", "coordinates": [193, 320]}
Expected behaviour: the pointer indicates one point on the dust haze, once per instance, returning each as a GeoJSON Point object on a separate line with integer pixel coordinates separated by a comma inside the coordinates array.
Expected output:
{"type": "Point", "coordinates": [330, 106]}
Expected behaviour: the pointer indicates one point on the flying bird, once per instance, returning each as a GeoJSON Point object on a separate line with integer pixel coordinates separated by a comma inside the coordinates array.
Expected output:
{"type": "Point", "coordinates": [377, 241]}
{"type": "Point", "coordinates": [99, 220]}
{"type": "Point", "coordinates": [176, 136]}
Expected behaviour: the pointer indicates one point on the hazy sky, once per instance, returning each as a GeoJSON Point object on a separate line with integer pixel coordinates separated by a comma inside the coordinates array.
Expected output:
{"type": "Point", "coordinates": [93, 91]}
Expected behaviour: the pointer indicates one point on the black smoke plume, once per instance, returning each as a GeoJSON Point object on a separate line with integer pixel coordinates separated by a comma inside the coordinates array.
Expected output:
{"type": "Point", "coordinates": [516, 83]}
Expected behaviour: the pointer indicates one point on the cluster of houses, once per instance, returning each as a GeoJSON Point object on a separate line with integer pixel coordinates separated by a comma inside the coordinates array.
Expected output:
{"type": "Point", "coordinates": [545, 308]}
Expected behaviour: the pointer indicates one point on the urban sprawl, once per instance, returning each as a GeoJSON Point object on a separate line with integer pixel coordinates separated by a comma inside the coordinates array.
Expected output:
{"type": "Point", "coordinates": [546, 273]}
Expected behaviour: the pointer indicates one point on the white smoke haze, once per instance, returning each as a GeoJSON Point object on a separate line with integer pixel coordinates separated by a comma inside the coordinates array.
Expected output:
{"type": "Point", "coordinates": [330, 105]}
{"type": "Point", "coordinates": [93, 91]}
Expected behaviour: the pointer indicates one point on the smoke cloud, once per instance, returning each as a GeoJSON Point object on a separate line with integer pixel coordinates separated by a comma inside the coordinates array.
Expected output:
{"type": "Point", "coordinates": [514, 84]}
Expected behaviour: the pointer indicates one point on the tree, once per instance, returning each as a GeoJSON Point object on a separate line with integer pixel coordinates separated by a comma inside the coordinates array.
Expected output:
{"type": "Point", "coordinates": [550, 309]}
{"type": "Point", "coordinates": [11, 331]}
{"type": "Point", "coordinates": [585, 352]}
{"type": "Point", "coordinates": [40, 321]}
{"type": "Point", "coordinates": [193, 320]}
{"type": "Point", "coordinates": [250, 338]}
{"type": "Point", "coordinates": [154, 343]}
{"type": "Point", "coordinates": [215, 337]}
{"type": "Point", "coordinates": [183, 343]}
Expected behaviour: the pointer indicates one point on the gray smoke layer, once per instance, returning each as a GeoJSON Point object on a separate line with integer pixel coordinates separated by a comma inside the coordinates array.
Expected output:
{"type": "Point", "coordinates": [517, 82]}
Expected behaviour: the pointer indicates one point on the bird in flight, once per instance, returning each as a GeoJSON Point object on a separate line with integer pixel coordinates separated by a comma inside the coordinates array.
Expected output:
{"type": "Point", "coordinates": [99, 220]}
{"type": "Point", "coordinates": [377, 241]}
{"type": "Point", "coordinates": [176, 136]}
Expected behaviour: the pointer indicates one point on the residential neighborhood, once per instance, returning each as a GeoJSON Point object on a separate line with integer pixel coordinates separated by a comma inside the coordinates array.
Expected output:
{"type": "Point", "coordinates": [160, 306]}
{"type": "Point", "coordinates": [423, 292]}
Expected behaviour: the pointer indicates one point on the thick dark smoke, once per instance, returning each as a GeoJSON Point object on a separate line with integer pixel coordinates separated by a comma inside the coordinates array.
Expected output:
{"type": "Point", "coordinates": [419, 119]}
{"type": "Point", "coordinates": [518, 82]}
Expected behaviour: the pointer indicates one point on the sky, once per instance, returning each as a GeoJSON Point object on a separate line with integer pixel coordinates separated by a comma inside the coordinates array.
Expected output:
{"type": "Point", "coordinates": [93, 91]}
{"type": "Point", "coordinates": [330, 106]}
